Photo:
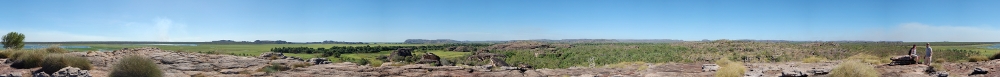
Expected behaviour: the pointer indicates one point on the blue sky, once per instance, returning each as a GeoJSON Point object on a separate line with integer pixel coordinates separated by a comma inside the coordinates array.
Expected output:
{"type": "Point", "coordinates": [397, 20]}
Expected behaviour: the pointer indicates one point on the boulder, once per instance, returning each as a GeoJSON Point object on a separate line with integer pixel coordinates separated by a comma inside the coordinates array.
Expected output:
{"type": "Point", "coordinates": [903, 60]}
{"type": "Point", "coordinates": [819, 71]}
{"type": "Point", "coordinates": [460, 48]}
{"type": "Point", "coordinates": [942, 74]}
{"type": "Point", "coordinates": [429, 58]}
{"type": "Point", "coordinates": [709, 67]}
{"type": "Point", "coordinates": [41, 74]}
{"type": "Point", "coordinates": [229, 71]}
{"type": "Point", "coordinates": [11, 75]}
{"type": "Point", "coordinates": [269, 55]}
{"type": "Point", "coordinates": [979, 70]}
{"type": "Point", "coordinates": [401, 52]}
{"type": "Point", "coordinates": [318, 61]}
{"type": "Point", "coordinates": [497, 62]}
{"type": "Point", "coordinates": [71, 72]}
{"type": "Point", "coordinates": [793, 73]}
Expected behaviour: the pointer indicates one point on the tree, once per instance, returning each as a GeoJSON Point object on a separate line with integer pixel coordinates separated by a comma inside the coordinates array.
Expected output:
{"type": "Point", "coordinates": [13, 40]}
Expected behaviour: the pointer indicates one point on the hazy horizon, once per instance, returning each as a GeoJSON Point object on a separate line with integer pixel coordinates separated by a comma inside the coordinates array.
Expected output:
{"type": "Point", "coordinates": [394, 20]}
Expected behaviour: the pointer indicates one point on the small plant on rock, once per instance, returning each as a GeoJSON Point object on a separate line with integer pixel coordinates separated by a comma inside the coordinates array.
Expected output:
{"type": "Point", "coordinates": [27, 59]}
{"type": "Point", "coordinates": [996, 56]}
{"type": "Point", "coordinates": [730, 69]}
{"type": "Point", "coordinates": [53, 63]}
{"type": "Point", "coordinates": [854, 68]}
{"type": "Point", "coordinates": [977, 58]}
{"type": "Point", "coordinates": [135, 66]}
{"type": "Point", "coordinates": [55, 49]}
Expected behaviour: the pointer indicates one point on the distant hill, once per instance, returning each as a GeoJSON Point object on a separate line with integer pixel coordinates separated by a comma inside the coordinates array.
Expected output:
{"type": "Point", "coordinates": [438, 41]}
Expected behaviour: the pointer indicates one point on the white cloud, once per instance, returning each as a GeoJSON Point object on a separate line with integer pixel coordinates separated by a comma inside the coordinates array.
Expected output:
{"type": "Point", "coordinates": [918, 32]}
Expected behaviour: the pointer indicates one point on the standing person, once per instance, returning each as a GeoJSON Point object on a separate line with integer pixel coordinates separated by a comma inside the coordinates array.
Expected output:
{"type": "Point", "coordinates": [929, 52]}
{"type": "Point", "coordinates": [913, 53]}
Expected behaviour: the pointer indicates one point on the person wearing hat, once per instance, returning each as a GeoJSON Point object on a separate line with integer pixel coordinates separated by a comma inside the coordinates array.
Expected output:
{"type": "Point", "coordinates": [930, 51]}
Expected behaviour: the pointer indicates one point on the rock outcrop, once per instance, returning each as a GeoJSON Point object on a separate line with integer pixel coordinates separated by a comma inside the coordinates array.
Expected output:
{"type": "Point", "coordinates": [71, 72]}
{"type": "Point", "coordinates": [461, 48]}
{"type": "Point", "coordinates": [429, 58]}
{"type": "Point", "coordinates": [399, 53]}
{"type": "Point", "coordinates": [318, 61]}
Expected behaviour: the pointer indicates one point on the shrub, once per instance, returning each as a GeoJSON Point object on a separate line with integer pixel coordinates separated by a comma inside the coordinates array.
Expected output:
{"type": "Point", "coordinates": [301, 64]}
{"type": "Point", "coordinates": [135, 66]}
{"type": "Point", "coordinates": [13, 40]}
{"type": "Point", "coordinates": [54, 62]}
{"type": "Point", "coordinates": [639, 65]}
{"type": "Point", "coordinates": [854, 68]}
{"type": "Point", "coordinates": [55, 49]}
{"type": "Point", "coordinates": [273, 68]}
{"type": "Point", "coordinates": [6, 54]}
{"type": "Point", "coordinates": [27, 59]}
{"type": "Point", "coordinates": [813, 59]}
{"type": "Point", "coordinates": [996, 56]}
{"type": "Point", "coordinates": [730, 69]}
{"type": "Point", "coordinates": [977, 58]}
{"type": "Point", "coordinates": [938, 67]}
{"type": "Point", "coordinates": [940, 60]}
{"type": "Point", "coordinates": [79, 62]}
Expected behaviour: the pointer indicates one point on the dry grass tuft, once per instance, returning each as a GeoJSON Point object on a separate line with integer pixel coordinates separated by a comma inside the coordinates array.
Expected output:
{"type": "Point", "coordinates": [978, 58]}
{"type": "Point", "coordinates": [730, 69]}
{"type": "Point", "coordinates": [854, 68]}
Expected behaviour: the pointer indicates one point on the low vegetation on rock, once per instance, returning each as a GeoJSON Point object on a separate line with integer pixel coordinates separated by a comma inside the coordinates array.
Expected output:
{"type": "Point", "coordinates": [27, 59]}
{"type": "Point", "coordinates": [996, 56]}
{"type": "Point", "coordinates": [730, 68]}
{"type": "Point", "coordinates": [54, 62]}
{"type": "Point", "coordinates": [135, 66]}
{"type": "Point", "coordinates": [854, 68]}
{"type": "Point", "coordinates": [55, 49]}
{"type": "Point", "coordinates": [978, 58]}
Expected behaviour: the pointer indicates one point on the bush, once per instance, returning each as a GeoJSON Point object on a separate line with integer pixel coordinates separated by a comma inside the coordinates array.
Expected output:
{"type": "Point", "coordinates": [13, 40]}
{"type": "Point", "coordinates": [135, 66]}
{"type": "Point", "coordinates": [54, 62]}
{"type": "Point", "coordinates": [55, 49]}
{"type": "Point", "coordinates": [940, 60]}
{"type": "Point", "coordinates": [27, 59]}
{"type": "Point", "coordinates": [730, 69]}
{"type": "Point", "coordinates": [996, 56]}
{"type": "Point", "coordinates": [79, 62]}
{"type": "Point", "coordinates": [301, 64]}
{"type": "Point", "coordinates": [813, 59]}
{"type": "Point", "coordinates": [6, 54]}
{"type": "Point", "coordinates": [854, 68]}
{"type": "Point", "coordinates": [978, 58]}
{"type": "Point", "coordinates": [938, 67]}
{"type": "Point", "coordinates": [273, 68]}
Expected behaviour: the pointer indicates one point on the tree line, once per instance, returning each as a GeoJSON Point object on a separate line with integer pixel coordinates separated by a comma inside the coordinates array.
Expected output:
{"type": "Point", "coordinates": [337, 50]}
